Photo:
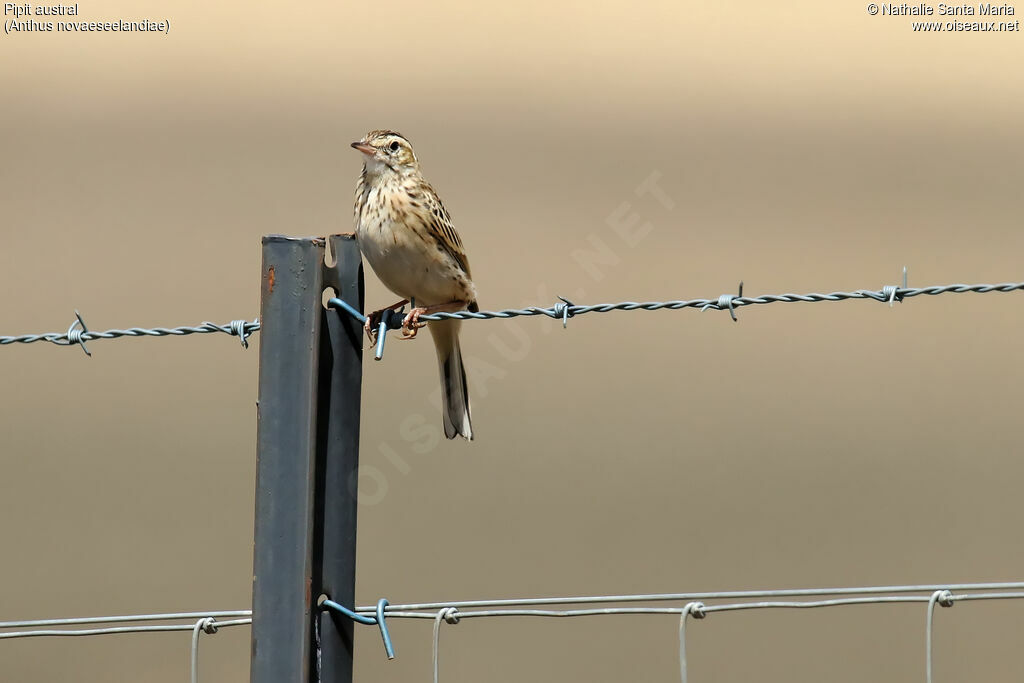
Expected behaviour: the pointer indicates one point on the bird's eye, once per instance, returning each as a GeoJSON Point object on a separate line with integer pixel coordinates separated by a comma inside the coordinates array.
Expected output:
{"type": "Point", "coordinates": [393, 146]}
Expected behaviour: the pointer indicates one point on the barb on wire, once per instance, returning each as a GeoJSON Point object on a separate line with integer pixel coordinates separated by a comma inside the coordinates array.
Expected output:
{"type": "Point", "coordinates": [564, 310]}
{"type": "Point", "coordinates": [78, 333]}
{"type": "Point", "coordinates": [726, 302]}
{"type": "Point", "coordinates": [75, 332]}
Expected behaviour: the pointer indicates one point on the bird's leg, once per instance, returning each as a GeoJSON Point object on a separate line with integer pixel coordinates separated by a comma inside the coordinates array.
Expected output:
{"type": "Point", "coordinates": [373, 320]}
{"type": "Point", "coordinates": [412, 323]}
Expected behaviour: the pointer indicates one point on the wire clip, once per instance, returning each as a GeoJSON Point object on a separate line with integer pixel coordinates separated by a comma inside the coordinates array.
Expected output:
{"type": "Point", "coordinates": [335, 302]}
{"type": "Point", "coordinates": [390, 319]}
{"type": "Point", "coordinates": [363, 619]}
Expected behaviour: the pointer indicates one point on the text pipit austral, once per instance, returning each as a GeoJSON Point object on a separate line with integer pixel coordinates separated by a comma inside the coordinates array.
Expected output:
{"type": "Point", "coordinates": [406, 235]}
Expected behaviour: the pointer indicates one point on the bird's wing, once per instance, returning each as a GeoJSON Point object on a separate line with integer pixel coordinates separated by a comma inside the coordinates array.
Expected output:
{"type": "Point", "coordinates": [439, 224]}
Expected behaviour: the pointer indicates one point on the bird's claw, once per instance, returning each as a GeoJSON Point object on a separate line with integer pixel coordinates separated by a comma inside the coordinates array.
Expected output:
{"type": "Point", "coordinates": [371, 325]}
{"type": "Point", "coordinates": [373, 320]}
{"type": "Point", "coordinates": [411, 323]}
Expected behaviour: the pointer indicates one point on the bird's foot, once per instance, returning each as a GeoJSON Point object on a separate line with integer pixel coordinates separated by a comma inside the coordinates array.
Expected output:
{"type": "Point", "coordinates": [372, 324]}
{"type": "Point", "coordinates": [411, 323]}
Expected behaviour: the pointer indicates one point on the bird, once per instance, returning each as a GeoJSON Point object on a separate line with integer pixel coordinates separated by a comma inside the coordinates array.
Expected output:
{"type": "Point", "coordinates": [406, 235]}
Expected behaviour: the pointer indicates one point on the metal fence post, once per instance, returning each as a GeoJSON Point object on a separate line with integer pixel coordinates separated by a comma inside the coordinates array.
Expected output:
{"type": "Point", "coordinates": [334, 563]}
{"type": "Point", "coordinates": [307, 451]}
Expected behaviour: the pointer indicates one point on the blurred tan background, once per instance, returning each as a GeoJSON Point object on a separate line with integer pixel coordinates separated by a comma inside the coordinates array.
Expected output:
{"type": "Point", "coordinates": [802, 146]}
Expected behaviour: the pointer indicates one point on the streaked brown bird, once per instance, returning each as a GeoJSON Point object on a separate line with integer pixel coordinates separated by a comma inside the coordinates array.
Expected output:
{"type": "Point", "coordinates": [406, 235]}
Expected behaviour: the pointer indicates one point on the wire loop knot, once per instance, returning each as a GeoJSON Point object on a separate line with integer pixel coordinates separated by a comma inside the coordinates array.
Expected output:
{"type": "Point", "coordinates": [209, 625]}
{"type": "Point", "coordinates": [695, 610]}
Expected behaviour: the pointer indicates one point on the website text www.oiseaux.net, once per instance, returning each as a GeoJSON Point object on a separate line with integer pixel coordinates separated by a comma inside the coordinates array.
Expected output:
{"type": "Point", "coordinates": [945, 18]}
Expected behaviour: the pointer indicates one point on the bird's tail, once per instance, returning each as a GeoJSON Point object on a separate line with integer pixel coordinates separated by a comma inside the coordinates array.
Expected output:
{"type": "Point", "coordinates": [454, 388]}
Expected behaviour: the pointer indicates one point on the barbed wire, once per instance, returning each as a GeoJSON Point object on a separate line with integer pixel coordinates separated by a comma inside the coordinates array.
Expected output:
{"type": "Point", "coordinates": [729, 302]}
{"type": "Point", "coordinates": [78, 333]}
{"type": "Point", "coordinates": [564, 310]}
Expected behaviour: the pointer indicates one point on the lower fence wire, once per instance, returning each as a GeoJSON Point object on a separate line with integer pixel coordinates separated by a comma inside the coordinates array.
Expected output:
{"type": "Point", "coordinates": [207, 622]}
{"type": "Point", "coordinates": [930, 595]}
{"type": "Point", "coordinates": [454, 612]}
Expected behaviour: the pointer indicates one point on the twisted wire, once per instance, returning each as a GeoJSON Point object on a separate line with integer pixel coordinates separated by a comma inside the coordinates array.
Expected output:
{"type": "Point", "coordinates": [242, 329]}
{"type": "Point", "coordinates": [729, 302]}
{"type": "Point", "coordinates": [77, 334]}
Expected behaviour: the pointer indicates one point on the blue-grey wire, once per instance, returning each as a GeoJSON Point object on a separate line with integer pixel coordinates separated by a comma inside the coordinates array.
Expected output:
{"type": "Point", "coordinates": [722, 303]}
{"type": "Point", "coordinates": [236, 328]}
{"type": "Point", "coordinates": [77, 335]}
{"type": "Point", "coordinates": [939, 595]}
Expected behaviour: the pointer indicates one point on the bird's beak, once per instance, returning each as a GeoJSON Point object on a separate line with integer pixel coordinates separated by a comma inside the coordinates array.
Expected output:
{"type": "Point", "coordinates": [364, 148]}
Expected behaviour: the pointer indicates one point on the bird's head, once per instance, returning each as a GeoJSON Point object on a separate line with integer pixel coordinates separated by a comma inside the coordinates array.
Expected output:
{"type": "Point", "coordinates": [386, 150]}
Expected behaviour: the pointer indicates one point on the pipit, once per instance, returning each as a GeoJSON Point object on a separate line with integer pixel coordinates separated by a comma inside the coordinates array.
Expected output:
{"type": "Point", "coordinates": [406, 235]}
